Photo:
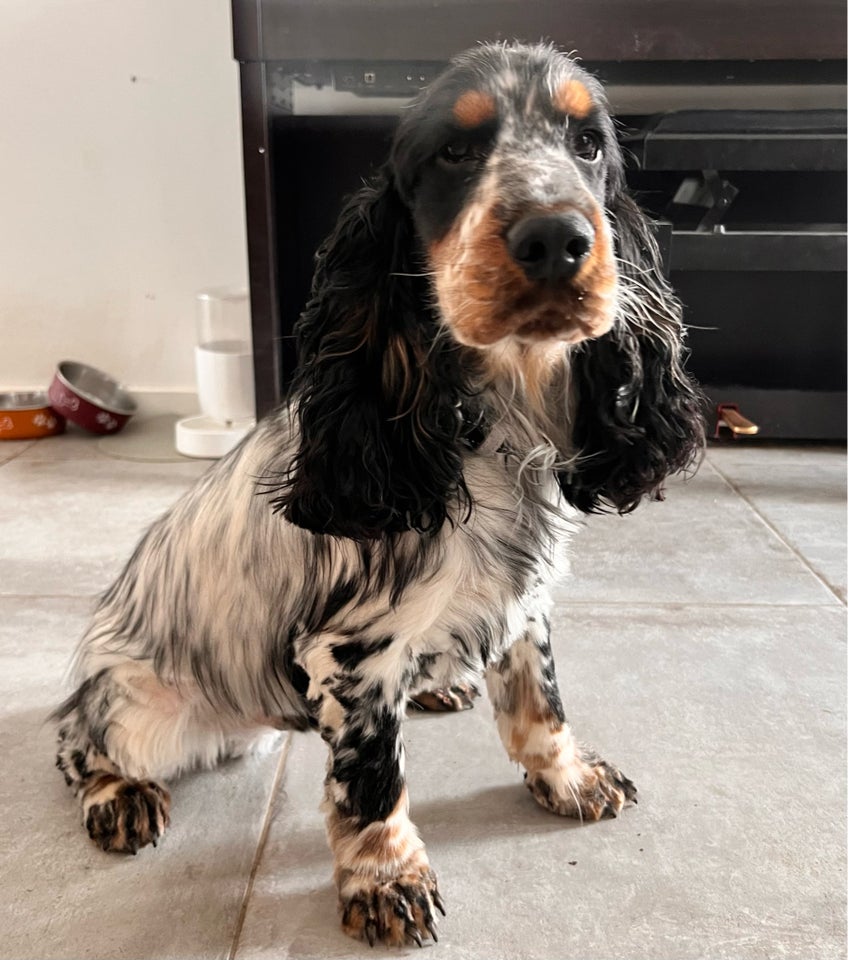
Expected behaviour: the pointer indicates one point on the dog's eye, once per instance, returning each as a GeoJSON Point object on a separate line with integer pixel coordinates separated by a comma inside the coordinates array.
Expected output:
{"type": "Point", "coordinates": [587, 145]}
{"type": "Point", "coordinates": [458, 152]}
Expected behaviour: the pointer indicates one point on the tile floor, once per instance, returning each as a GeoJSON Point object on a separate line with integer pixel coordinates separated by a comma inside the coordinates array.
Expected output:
{"type": "Point", "coordinates": [701, 646]}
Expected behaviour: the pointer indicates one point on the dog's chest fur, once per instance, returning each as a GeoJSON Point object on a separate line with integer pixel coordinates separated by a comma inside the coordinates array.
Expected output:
{"type": "Point", "coordinates": [444, 607]}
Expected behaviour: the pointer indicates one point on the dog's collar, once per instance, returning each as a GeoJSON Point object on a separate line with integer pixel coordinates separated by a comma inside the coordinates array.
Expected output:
{"type": "Point", "coordinates": [485, 438]}
{"type": "Point", "coordinates": [494, 441]}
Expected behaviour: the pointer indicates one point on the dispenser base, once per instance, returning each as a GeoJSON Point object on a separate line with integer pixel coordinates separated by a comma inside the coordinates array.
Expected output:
{"type": "Point", "coordinates": [207, 438]}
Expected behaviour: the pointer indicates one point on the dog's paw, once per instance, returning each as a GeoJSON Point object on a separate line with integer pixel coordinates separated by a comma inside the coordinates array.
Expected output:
{"type": "Point", "coordinates": [592, 790]}
{"type": "Point", "coordinates": [122, 816]}
{"type": "Point", "coordinates": [396, 912]}
{"type": "Point", "coordinates": [446, 699]}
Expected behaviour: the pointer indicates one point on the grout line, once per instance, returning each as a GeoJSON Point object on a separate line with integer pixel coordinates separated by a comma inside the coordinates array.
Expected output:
{"type": "Point", "coordinates": [15, 456]}
{"type": "Point", "coordinates": [770, 526]}
{"type": "Point", "coordinates": [270, 811]}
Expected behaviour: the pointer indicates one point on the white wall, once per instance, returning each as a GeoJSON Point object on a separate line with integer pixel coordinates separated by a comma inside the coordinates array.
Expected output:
{"type": "Point", "coordinates": [120, 184]}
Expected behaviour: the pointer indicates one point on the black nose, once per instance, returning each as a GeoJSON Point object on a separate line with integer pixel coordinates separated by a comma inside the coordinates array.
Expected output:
{"type": "Point", "coordinates": [552, 247]}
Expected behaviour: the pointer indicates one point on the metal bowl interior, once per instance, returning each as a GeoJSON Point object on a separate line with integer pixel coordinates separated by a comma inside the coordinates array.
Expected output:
{"type": "Point", "coordinates": [96, 387]}
{"type": "Point", "coordinates": [24, 400]}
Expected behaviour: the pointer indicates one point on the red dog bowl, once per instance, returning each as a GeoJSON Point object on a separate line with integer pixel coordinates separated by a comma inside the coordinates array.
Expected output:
{"type": "Point", "coordinates": [89, 397]}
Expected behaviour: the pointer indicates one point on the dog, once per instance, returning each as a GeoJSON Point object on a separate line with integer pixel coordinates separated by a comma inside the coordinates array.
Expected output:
{"type": "Point", "coordinates": [490, 351]}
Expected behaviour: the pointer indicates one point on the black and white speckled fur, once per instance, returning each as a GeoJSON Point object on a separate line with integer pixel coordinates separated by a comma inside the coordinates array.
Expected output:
{"type": "Point", "coordinates": [397, 525]}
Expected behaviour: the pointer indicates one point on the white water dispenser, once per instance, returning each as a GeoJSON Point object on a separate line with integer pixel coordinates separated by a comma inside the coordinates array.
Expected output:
{"type": "Point", "coordinates": [223, 359]}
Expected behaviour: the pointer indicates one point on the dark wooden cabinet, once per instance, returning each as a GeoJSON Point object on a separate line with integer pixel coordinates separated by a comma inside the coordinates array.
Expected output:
{"type": "Point", "coordinates": [746, 93]}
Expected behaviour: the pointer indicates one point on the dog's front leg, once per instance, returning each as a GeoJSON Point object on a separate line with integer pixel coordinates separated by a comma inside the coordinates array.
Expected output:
{"type": "Point", "coordinates": [387, 890]}
{"type": "Point", "coordinates": [563, 776]}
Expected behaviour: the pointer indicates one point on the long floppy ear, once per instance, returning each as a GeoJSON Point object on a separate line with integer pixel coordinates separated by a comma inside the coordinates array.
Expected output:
{"type": "Point", "coordinates": [377, 394]}
{"type": "Point", "coordinates": [638, 416]}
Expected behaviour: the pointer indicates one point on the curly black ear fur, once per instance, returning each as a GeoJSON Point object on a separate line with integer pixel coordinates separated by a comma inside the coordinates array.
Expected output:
{"type": "Point", "coordinates": [378, 392]}
{"type": "Point", "coordinates": [638, 416]}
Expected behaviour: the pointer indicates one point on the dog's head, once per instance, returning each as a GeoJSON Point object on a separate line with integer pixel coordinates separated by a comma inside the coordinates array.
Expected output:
{"type": "Point", "coordinates": [498, 230]}
{"type": "Point", "coordinates": [507, 163]}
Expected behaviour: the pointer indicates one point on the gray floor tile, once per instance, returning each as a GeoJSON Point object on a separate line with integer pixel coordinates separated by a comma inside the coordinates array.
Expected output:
{"type": "Point", "coordinates": [60, 897]}
{"type": "Point", "coordinates": [704, 657]}
{"type": "Point", "coordinates": [68, 527]}
{"type": "Point", "coordinates": [731, 721]}
{"type": "Point", "coordinates": [11, 449]}
{"type": "Point", "coordinates": [703, 544]}
{"type": "Point", "coordinates": [800, 491]}
{"type": "Point", "coordinates": [74, 444]}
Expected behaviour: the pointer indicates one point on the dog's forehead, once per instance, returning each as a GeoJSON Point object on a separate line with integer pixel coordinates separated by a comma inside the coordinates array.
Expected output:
{"type": "Point", "coordinates": [502, 83]}
{"type": "Point", "coordinates": [516, 97]}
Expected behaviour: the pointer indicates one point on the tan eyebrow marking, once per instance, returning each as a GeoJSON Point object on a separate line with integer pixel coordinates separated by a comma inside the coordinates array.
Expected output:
{"type": "Point", "coordinates": [573, 98]}
{"type": "Point", "coordinates": [473, 108]}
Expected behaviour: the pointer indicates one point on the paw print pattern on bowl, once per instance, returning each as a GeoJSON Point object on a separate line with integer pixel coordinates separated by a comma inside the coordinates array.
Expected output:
{"type": "Point", "coordinates": [106, 421]}
{"type": "Point", "coordinates": [45, 420]}
{"type": "Point", "coordinates": [67, 401]}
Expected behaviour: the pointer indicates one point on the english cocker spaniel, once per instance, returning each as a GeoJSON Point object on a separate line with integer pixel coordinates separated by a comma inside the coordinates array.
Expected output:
{"type": "Point", "coordinates": [490, 350]}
